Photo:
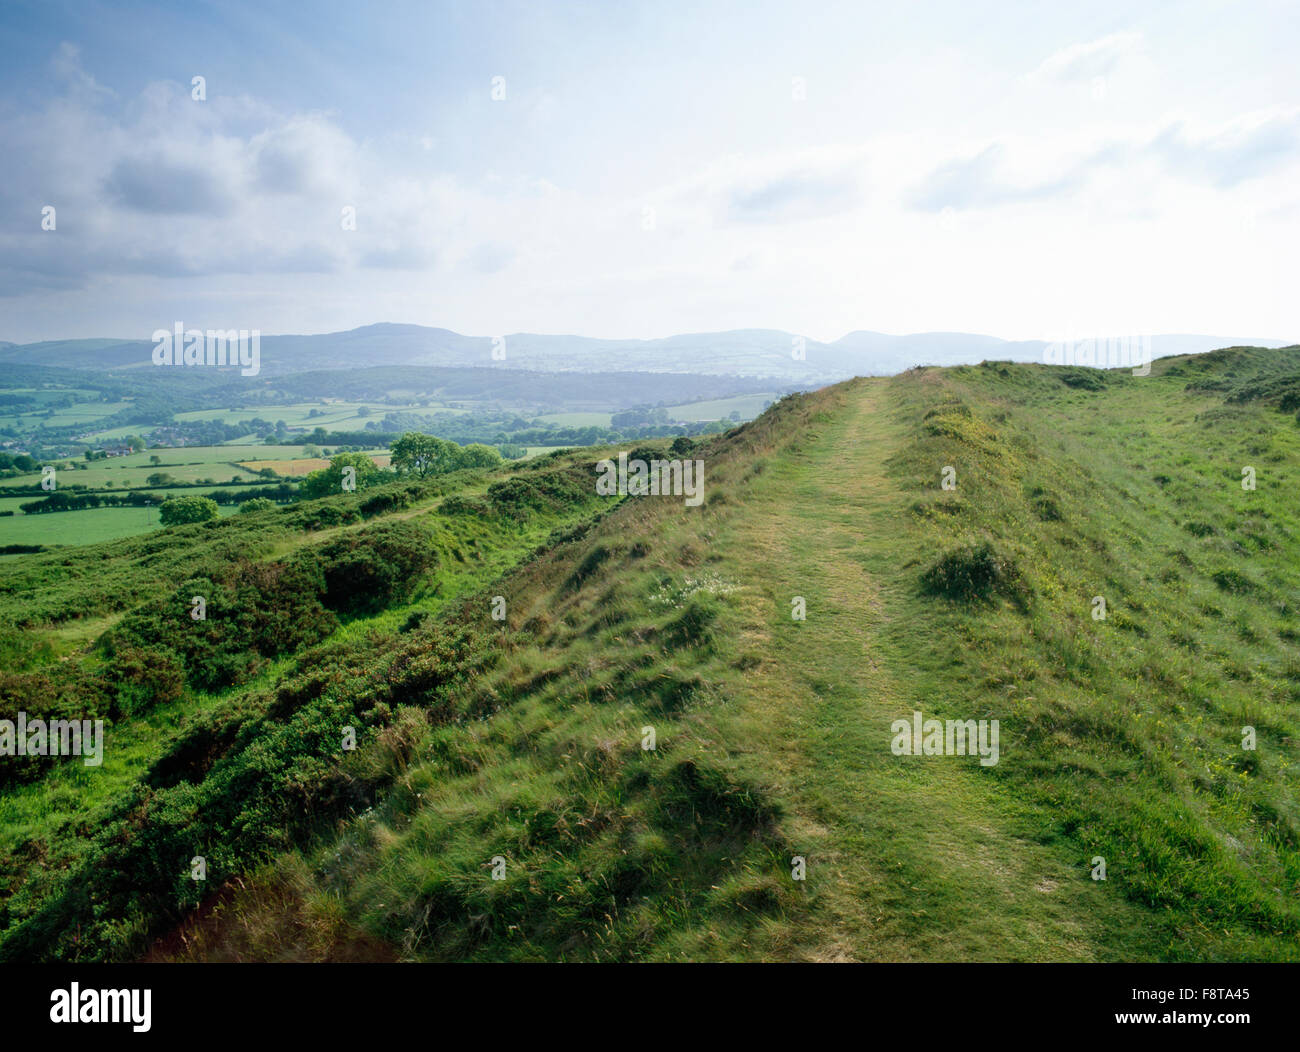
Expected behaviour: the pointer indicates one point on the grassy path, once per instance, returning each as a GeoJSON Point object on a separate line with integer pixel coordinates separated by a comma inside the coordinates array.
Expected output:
{"type": "Point", "coordinates": [908, 857]}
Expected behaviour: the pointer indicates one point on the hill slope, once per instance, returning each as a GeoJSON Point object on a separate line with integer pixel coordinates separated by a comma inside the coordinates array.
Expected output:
{"type": "Point", "coordinates": [516, 749]}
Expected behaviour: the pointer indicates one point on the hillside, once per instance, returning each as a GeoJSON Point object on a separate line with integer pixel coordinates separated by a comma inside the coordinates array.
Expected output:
{"type": "Point", "coordinates": [516, 748]}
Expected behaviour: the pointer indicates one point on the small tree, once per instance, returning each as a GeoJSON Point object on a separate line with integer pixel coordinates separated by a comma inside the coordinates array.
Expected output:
{"type": "Point", "coordinates": [255, 504]}
{"type": "Point", "coordinates": [179, 510]}
{"type": "Point", "coordinates": [422, 455]}
{"type": "Point", "coordinates": [329, 481]}
{"type": "Point", "coordinates": [477, 455]}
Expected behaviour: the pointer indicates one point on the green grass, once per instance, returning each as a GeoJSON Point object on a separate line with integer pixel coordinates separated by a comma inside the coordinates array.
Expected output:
{"type": "Point", "coordinates": [91, 526]}
{"type": "Point", "coordinates": [1120, 738]}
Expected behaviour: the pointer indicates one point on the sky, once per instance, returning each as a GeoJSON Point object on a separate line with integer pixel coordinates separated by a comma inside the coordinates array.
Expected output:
{"type": "Point", "coordinates": [636, 170]}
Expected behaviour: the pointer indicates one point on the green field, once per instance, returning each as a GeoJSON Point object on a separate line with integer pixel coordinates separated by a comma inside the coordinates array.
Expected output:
{"type": "Point", "coordinates": [748, 406]}
{"type": "Point", "coordinates": [333, 416]}
{"type": "Point", "coordinates": [88, 526]}
{"type": "Point", "coordinates": [185, 464]}
{"type": "Point", "coordinates": [82, 413]}
{"type": "Point", "coordinates": [576, 419]}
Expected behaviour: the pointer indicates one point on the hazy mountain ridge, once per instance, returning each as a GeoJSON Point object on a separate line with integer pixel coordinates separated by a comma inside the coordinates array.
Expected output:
{"type": "Point", "coordinates": [741, 352]}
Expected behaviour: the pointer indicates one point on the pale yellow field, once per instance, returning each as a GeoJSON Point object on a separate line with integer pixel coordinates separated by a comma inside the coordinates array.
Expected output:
{"type": "Point", "coordinates": [305, 465]}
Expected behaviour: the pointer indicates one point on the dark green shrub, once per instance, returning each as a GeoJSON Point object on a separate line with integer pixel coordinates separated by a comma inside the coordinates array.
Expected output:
{"type": "Point", "coordinates": [366, 572]}
{"type": "Point", "coordinates": [972, 573]}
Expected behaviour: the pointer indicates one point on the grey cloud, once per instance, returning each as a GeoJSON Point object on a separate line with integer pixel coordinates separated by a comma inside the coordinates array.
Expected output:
{"type": "Point", "coordinates": [160, 187]}
{"type": "Point", "coordinates": [398, 257]}
{"type": "Point", "coordinates": [283, 171]}
{"type": "Point", "coordinates": [300, 157]}
{"type": "Point", "coordinates": [34, 267]}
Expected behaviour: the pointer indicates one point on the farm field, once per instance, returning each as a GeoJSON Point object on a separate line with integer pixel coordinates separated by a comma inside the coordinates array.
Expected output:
{"type": "Point", "coordinates": [85, 527]}
{"type": "Point", "coordinates": [184, 463]}
{"type": "Point", "coordinates": [82, 413]}
{"type": "Point", "coordinates": [576, 419]}
{"type": "Point", "coordinates": [305, 465]}
{"type": "Point", "coordinates": [748, 406]}
{"type": "Point", "coordinates": [335, 416]}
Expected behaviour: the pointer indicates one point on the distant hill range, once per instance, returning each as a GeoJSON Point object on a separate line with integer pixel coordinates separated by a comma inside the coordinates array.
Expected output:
{"type": "Point", "coordinates": [741, 352]}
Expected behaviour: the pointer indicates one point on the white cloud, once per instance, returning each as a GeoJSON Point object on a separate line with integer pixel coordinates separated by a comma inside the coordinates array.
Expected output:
{"type": "Point", "coordinates": [1032, 212]}
{"type": "Point", "coordinates": [1096, 58]}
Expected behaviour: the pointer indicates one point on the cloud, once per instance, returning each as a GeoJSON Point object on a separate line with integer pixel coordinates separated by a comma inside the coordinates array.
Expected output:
{"type": "Point", "coordinates": [984, 181]}
{"type": "Point", "coordinates": [66, 64]}
{"type": "Point", "coordinates": [1245, 149]}
{"type": "Point", "coordinates": [1039, 170]}
{"type": "Point", "coordinates": [399, 256]}
{"type": "Point", "coordinates": [162, 187]}
{"type": "Point", "coordinates": [771, 189]}
{"type": "Point", "coordinates": [489, 257]}
{"type": "Point", "coordinates": [794, 196]}
{"type": "Point", "coordinates": [302, 156]}
{"type": "Point", "coordinates": [1096, 58]}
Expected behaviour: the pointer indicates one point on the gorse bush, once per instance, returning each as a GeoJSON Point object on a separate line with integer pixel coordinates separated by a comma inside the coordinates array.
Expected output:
{"type": "Point", "coordinates": [253, 612]}
{"type": "Point", "coordinates": [973, 572]}
{"type": "Point", "coordinates": [369, 570]}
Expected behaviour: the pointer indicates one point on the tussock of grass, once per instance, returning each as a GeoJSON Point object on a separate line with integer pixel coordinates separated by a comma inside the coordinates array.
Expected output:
{"type": "Point", "coordinates": [974, 572]}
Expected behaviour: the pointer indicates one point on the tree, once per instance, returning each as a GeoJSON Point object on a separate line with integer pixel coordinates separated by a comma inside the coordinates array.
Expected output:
{"type": "Point", "coordinates": [155, 460]}
{"type": "Point", "coordinates": [255, 504]}
{"type": "Point", "coordinates": [477, 455]}
{"type": "Point", "coordinates": [179, 510]}
{"type": "Point", "coordinates": [329, 481]}
{"type": "Point", "coordinates": [423, 455]}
